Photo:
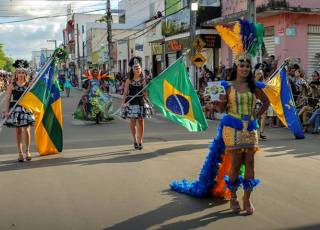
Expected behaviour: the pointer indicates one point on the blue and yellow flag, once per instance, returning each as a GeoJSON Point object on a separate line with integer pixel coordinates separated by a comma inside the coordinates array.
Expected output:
{"type": "Point", "coordinates": [280, 96]}
{"type": "Point", "coordinates": [174, 96]}
{"type": "Point", "coordinates": [44, 100]}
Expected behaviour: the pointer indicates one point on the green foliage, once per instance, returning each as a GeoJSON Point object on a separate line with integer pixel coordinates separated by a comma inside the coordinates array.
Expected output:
{"type": "Point", "coordinates": [5, 62]}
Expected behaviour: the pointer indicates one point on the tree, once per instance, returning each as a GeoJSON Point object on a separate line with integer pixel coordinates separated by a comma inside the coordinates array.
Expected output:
{"type": "Point", "coordinates": [5, 62]}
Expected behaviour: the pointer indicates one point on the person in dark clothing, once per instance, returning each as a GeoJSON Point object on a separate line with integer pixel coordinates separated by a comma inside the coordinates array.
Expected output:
{"type": "Point", "coordinates": [292, 80]}
{"type": "Point", "coordinates": [209, 75]}
{"type": "Point", "coordinates": [135, 107]}
{"type": "Point", "coordinates": [15, 115]}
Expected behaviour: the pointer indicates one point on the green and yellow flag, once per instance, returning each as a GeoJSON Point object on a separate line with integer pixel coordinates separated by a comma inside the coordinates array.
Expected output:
{"type": "Point", "coordinates": [44, 100]}
{"type": "Point", "coordinates": [174, 96]}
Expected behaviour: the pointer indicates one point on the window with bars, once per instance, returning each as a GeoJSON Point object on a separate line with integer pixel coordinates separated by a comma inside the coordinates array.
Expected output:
{"type": "Point", "coordinates": [269, 31]}
{"type": "Point", "coordinates": [313, 29]}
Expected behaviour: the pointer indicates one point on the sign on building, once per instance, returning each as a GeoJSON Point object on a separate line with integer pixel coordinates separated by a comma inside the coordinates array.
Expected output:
{"type": "Point", "coordinates": [198, 44]}
{"type": "Point", "coordinates": [198, 60]}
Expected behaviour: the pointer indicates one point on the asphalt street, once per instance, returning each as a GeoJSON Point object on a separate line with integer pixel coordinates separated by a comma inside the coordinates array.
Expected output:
{"type": "Point", "coordinates": [100, 182]}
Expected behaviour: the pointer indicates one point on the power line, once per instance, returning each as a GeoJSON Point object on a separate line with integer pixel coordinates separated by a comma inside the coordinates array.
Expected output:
{"type": "Point", "coordinates": [62, 15]}
{"type": "Point", "coordinates": [48, 2]}
{"type": "Point", "coordinates": [149, 20]}
{"type": "Point", "coordinates": [126, 38]}
{"type": "Point", "coordinates": [50, 7]}
{"type": "Point", "coordinates": [43, 17]}
{"type": "Point", "coordinates": [150, 27]}
{"type": "Point", "coordinates": [153, 25]}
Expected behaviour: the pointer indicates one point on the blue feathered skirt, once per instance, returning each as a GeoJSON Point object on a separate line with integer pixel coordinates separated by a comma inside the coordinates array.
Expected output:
{"type": "Point", "coordinates": [216, 165]}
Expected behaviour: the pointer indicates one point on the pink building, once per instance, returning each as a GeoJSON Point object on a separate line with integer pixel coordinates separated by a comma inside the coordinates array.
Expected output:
{"type": "Point", "coordinates": [292, 29]}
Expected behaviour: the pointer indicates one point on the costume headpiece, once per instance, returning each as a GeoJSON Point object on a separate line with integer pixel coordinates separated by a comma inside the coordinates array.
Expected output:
{"type": "Point", "coordinates": [88, 74]}
{"type": "Point", "coordinates": [21, 65]}
{"type": "Point", "coordinates": [245, 39]}
{"type": "Point", "coordinates": [135, 61]}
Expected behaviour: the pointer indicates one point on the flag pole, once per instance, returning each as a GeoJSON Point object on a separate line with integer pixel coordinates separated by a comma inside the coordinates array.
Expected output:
{"type": "Point", "coordinates": [27, 90]}
{"type": "Point", "coordinates": [285, 62]}
{"type": "Point", "coordinates": [125, 104]}
{"type": "Point", "coordinates": [144, 88]}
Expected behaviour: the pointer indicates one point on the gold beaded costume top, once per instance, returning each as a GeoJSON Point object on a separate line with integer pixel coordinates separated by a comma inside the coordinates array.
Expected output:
{"type": "Point", "coordinates": [237, 135]}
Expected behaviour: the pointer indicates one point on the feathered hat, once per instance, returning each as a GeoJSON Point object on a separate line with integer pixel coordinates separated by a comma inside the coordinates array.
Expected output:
{"type": "Point", "coordinates": [21, 64]}
{"type": "Point", "coordinates": [244, 39]}
{"type": "Point", "coordinates": [135, 61]}
{"type": "Point", "coordinates": [88, 74]}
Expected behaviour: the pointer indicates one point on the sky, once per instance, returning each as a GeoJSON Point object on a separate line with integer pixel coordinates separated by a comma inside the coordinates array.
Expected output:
{"type": "Point", "coordinates": [21, 38]}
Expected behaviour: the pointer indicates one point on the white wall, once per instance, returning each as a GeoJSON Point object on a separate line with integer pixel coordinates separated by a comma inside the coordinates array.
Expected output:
{"type": "Point", "coordinates": [122, 51]}
{"type": "Point", "coordinates": [136, 12]}
{"type": "Point", "coordinates": [140, 10]}
{"type": "Point", "coordinates": [82, 20]}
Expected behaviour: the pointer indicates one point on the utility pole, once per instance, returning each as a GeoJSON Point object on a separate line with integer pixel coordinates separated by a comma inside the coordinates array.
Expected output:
{"type": "Point", "coordinates": [78, 57]}
{"type": "Point", "coordinates": [109, 38]}
{"type": "Point", "coordinates": [193, 22]}
{"type": "Point", "coordinates": [251, 16]}
{"type": "Point", "coordinates": [251, 6]}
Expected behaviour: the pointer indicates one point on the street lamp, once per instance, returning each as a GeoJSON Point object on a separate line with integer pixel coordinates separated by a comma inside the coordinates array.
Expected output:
{"type": "Point", "coordinates": [55, 42]}
{"type": "Point", "coordinates": [193, 23]}
{"type": "Point", "coordinates": [194, 6]}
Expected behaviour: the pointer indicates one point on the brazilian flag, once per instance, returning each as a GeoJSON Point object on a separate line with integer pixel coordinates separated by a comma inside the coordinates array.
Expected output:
{"type": "Point", "coordinates": [44, 100]}
{"type": "Point", "coordinates": [174, 96]}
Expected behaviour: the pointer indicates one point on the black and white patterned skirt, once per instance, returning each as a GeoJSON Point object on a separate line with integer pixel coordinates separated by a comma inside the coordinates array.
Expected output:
{"type": "Point", "coordinates": [137, 111]}
{"type": "Point", "coordinates": [20, 117]}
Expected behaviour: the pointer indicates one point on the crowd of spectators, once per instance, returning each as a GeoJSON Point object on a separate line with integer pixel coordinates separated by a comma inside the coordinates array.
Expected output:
{"type": "Point", "coordinates": [307, 98]}
{"type": "Point", "coordinates": [4, 80]}
{"type": "Point", "coordinates": [206, 75]}
{"type": "Point", "coordinates": [121, 79]}
{"type": "Point", "coordinates": [305, 89]}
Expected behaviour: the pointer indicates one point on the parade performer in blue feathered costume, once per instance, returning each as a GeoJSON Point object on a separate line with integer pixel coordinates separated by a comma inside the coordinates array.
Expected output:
{"type": "Point", "coordinates": [237, 139]}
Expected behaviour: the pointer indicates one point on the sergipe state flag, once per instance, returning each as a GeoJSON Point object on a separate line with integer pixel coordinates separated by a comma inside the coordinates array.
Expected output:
{"type": "Point", "coordinates": [44, 100]}
{"type": "Point", "coordinates": [281, 99]}
{"type": "Point", "coordinates": [174, 96]}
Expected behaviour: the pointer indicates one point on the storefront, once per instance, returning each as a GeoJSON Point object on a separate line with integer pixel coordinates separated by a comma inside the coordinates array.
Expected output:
{"type": "Point", "coordinates": [211, 49]}
{"type": "Point", "coordinates": [156, 49]}
{"type": "Point", "coordinates": [174, 49]}
{"type": "Point", "coordinates": [313, 44]}
{"type": "Point", "coordinates": [294, 35]}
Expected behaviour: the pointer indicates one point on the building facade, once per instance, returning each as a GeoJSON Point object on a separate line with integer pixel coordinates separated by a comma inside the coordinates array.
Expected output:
{"type": "Point", "coordinates": [139, 16]}
{"type": "Point", "coordinates": [292, 29]}
{"type": "Point", "coordinates": [75, 40]}
{"type": "Point", "coordinates": [176, 29]}
{"type": "Point", "coordinates": [97, 45]}
{"type": "Point", "coordinates": [38, 58]}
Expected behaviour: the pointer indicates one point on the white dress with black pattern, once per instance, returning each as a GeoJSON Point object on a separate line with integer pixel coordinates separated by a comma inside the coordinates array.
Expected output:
{"type": "Point", "coordinates": [19, 116]}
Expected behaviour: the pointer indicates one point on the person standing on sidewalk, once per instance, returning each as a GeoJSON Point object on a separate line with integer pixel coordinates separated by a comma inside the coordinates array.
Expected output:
{"type": "Point", "coordinates": [68, 86]}
{"type": "Point", "coordinates": [259, 76]}
{"type": "Point", "coordinates": [19, 118]}
{"type": "Point", "coordinates": [134, 104]}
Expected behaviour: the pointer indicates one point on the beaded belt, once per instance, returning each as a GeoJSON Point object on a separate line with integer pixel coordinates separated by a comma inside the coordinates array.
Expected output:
{"type": "Point", "coordinates": [244, 117]}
